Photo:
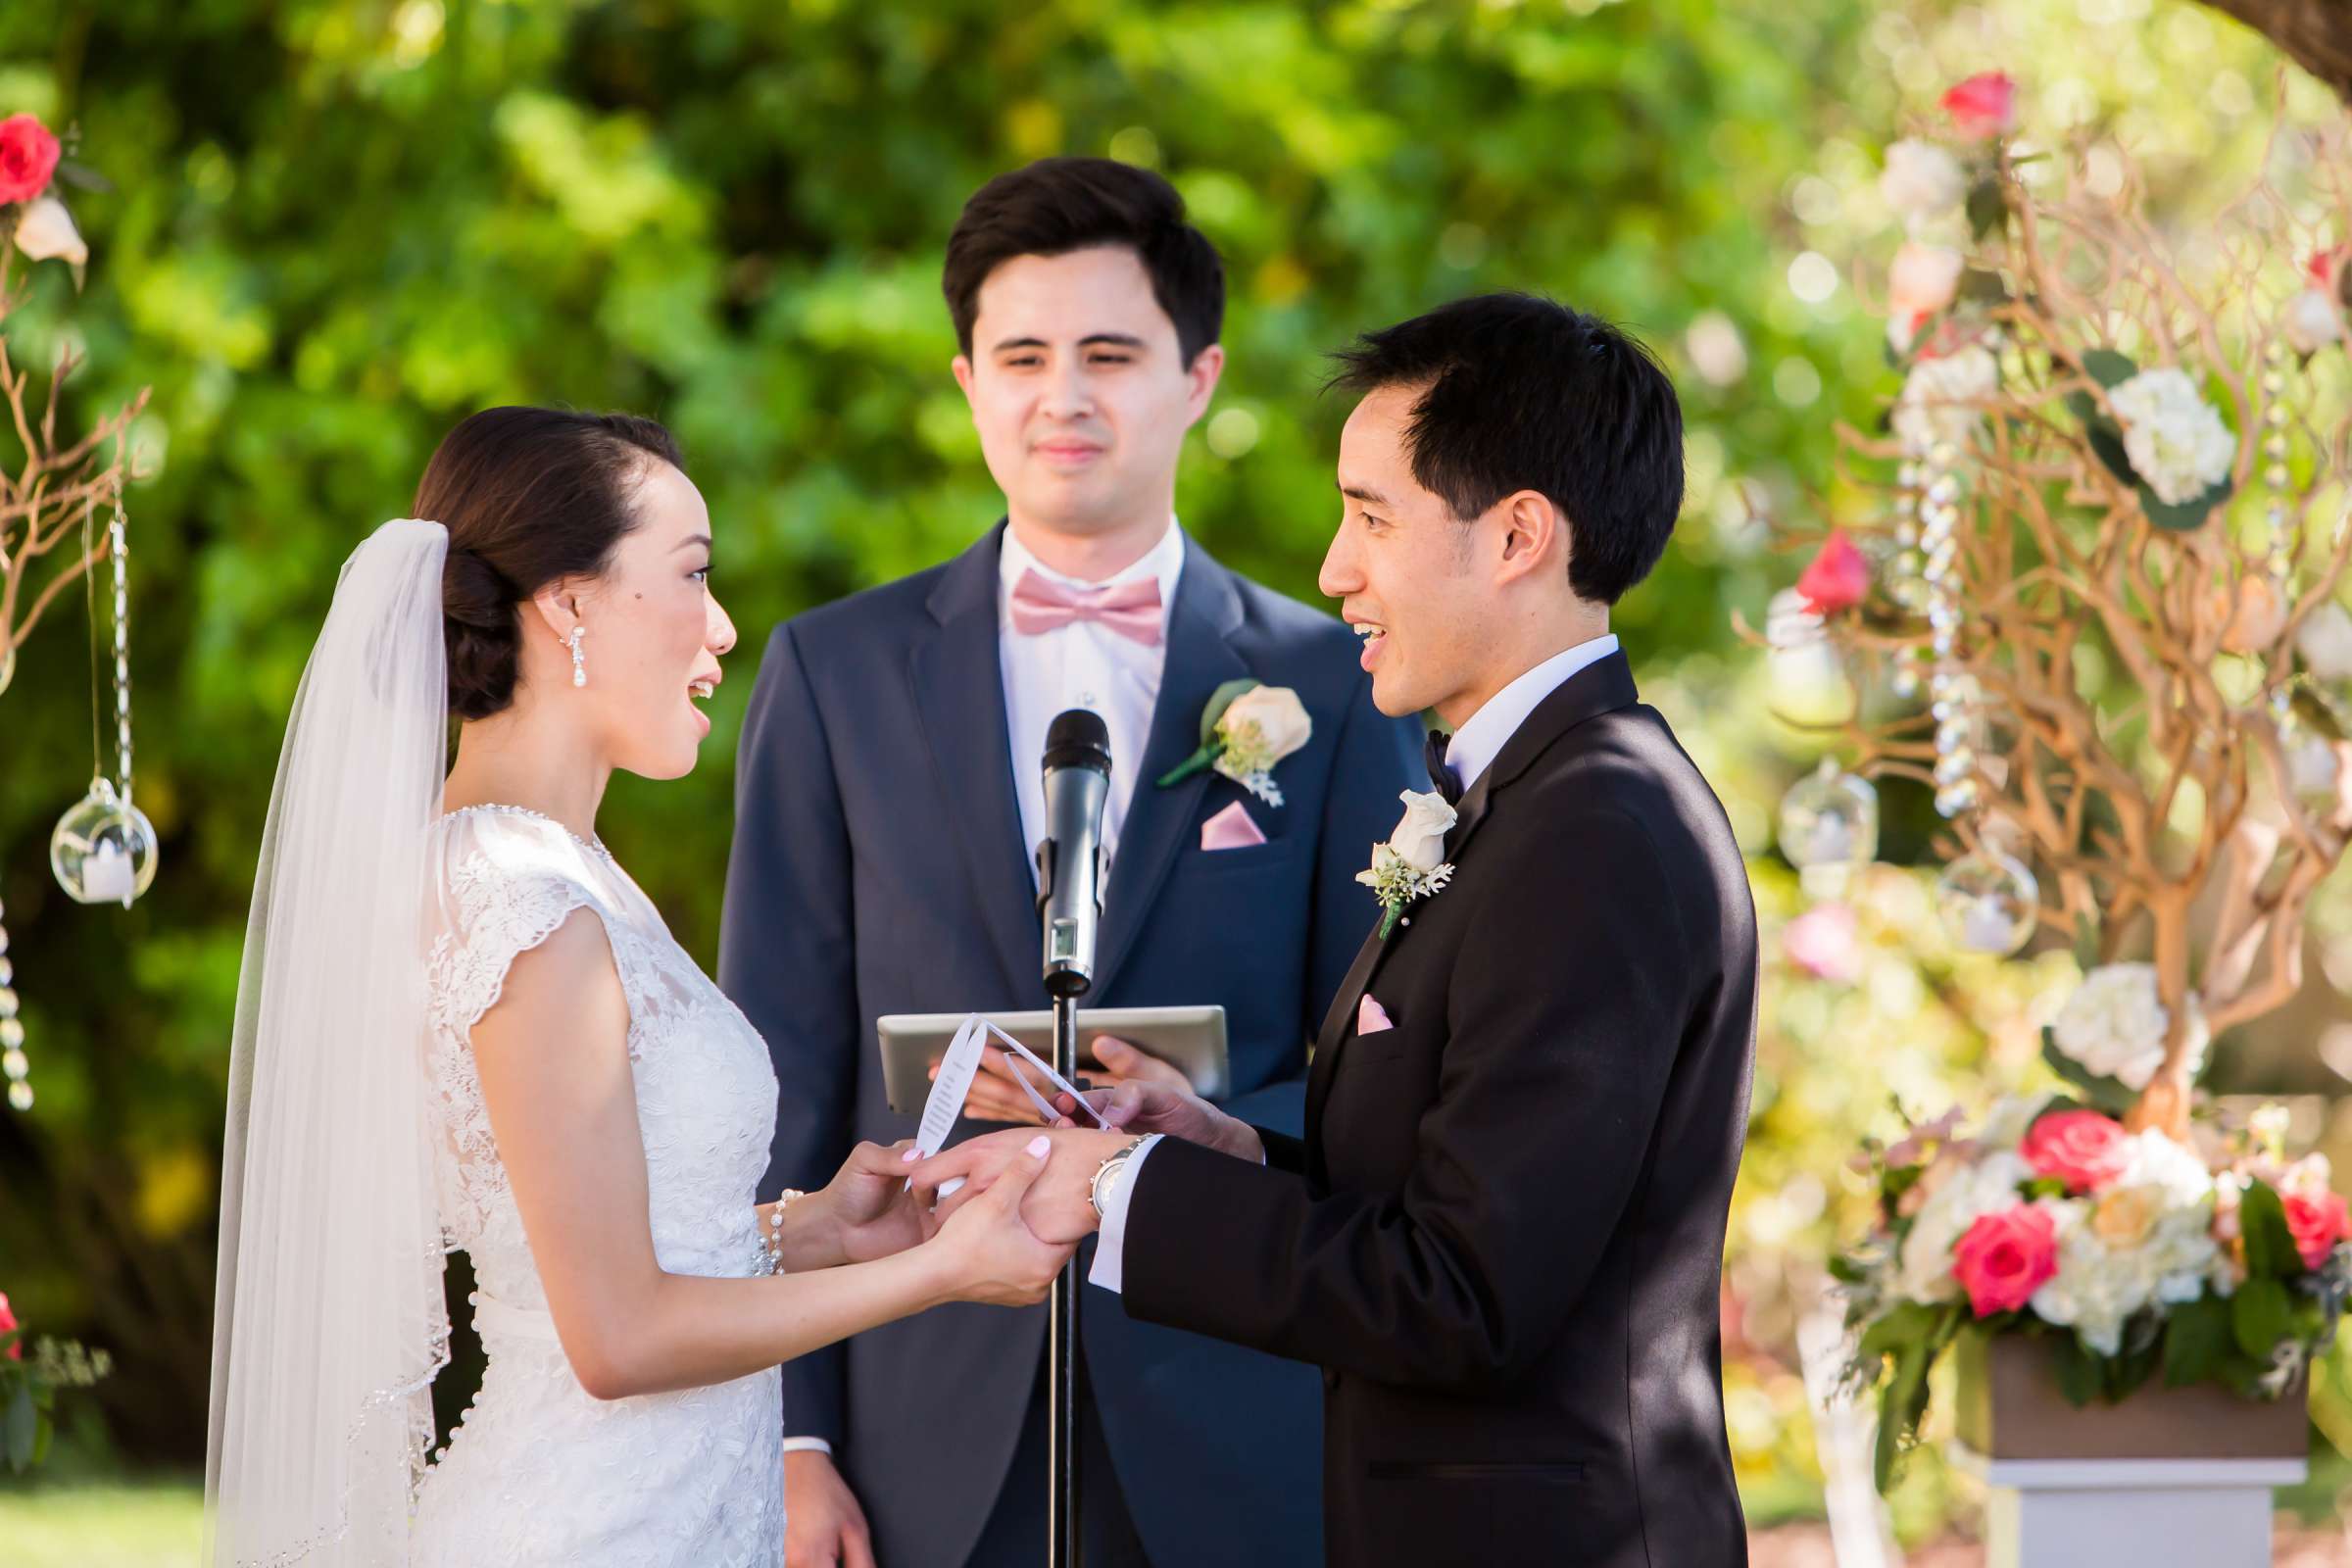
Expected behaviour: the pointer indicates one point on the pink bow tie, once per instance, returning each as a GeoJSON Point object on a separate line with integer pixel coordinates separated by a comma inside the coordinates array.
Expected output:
{"type": "Point", "coordinates": [1130, 609]}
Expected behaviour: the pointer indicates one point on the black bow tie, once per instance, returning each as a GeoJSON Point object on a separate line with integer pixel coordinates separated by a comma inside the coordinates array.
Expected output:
{"type": "Point", "coordinates": [1434, 752]}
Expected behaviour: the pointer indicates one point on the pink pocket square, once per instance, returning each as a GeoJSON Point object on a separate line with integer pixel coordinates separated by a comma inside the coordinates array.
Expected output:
{"type": "Point", "coordinates": [1371, 1017]}
{"type": "Point", "coordinates": [1230, 829]}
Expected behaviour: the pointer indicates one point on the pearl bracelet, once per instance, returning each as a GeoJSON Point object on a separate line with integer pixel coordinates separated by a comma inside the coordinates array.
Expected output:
{"type": "Point", "coordinates": [772, 1245]}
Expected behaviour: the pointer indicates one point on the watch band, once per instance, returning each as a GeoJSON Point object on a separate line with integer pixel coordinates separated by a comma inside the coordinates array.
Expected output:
{"type": "Point", "coordinates": [1107, 1173]}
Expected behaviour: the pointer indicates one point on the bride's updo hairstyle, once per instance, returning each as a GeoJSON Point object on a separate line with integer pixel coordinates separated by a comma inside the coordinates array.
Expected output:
{"type": "Point", "coordinates": [528, 496]}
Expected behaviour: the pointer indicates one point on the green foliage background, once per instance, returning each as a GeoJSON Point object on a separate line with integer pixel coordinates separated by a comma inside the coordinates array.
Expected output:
{"type": "Point", "coordinates": [338, 225]}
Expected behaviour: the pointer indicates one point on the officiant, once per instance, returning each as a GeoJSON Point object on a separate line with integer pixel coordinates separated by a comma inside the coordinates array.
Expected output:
{"type": "Point", "coordinates": [888, 803]}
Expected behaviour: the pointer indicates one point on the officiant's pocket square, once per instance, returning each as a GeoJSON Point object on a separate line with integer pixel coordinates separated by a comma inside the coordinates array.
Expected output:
{"type": "Point", "coordinates": [1230, 829]}
{"type": "Point", "coordinates": [1371, 1017]}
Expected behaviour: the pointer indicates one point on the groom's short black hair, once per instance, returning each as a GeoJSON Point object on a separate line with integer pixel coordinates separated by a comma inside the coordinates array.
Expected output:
{"type": "Point", "coordinates": [1058, 205]}
{"type": "Point", "coordinates": [1522, 393]}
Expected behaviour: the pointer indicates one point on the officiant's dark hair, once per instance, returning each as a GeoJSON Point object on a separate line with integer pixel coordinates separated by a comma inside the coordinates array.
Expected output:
{"type": "Point", "coordinates": [1522, 393]}
{"type": "Point", "coordinates": [528, 496]}
{"type": "Point", "coordinates": [1059, 205]}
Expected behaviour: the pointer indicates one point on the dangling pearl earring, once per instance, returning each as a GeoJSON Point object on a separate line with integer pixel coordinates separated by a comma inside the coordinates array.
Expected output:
{"type": "Point", "coordinates": [580, 665]}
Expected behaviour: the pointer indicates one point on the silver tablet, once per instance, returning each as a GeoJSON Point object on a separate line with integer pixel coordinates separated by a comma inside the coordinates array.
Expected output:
{"type": "Point", "coordinates": [1190, 1038]}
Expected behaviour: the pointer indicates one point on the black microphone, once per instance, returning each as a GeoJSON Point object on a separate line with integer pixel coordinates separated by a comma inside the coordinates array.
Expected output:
{"type": "Point", "coordinates": [1071, 860]}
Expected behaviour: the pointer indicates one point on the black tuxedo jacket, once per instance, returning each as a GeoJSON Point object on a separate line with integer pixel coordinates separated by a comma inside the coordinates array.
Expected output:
{"type": "Point", "coordinates": [1502, 1235]}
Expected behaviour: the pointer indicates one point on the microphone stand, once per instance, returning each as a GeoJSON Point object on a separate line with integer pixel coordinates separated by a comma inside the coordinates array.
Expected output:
{"type": "Point", "coordinates": [1061, 1348]}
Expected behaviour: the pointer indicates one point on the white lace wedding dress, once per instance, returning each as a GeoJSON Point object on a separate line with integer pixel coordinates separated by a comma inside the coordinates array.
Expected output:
{"type": "Point", "coordinates": [538, 1471]}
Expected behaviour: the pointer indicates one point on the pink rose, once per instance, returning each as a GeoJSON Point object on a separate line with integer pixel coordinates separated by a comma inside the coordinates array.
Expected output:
{"type": "Point", "coordinates": [1837, 578]}
{"type": "Point", "coordinates": [2005, 1258]}
{"type": "Point", "coordinates": [1982, 107]}
{"type": "Point", "coordinates": [1822, 943]}
{"type": "Point", "coordinates": [2325, 267]}
{"type": "Point", "coordinates": [2316, 1224]}
{"type": "Point", "coordinates": [2080, 1147]}
{"type": "Point", "coordinates": [8, 1321]}
{"type": "Point", "coordinates": [27, 158]}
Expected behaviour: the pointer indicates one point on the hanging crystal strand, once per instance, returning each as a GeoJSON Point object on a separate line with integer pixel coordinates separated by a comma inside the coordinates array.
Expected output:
{"type": "Point", "coordinates": [12, 1033]}
{"type": "Point", "coordinates": [118, 547]}
{"type": "Point", "coordinates": [1950, 690]}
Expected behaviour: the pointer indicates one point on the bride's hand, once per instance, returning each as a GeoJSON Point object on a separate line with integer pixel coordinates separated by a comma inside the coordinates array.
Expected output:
{"type": "Point", "coordinates": [993, 1257]}
{"type": "Point", "coordinates": [871, 1213]}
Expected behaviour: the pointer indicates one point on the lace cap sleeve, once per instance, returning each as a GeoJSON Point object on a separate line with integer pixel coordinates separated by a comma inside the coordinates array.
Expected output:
{"type": "Point", "coordinates": [504, 881]}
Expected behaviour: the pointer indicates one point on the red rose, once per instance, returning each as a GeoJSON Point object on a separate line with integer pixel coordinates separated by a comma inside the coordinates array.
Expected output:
{"type": "Point", "coordinates": [27, 158]}
{"type": "Point", "coordinates": [2316, 1224]}
{"type": "Point", "coordinates": [1837, 579]}
{"type": "Point", "coordinates": [1984, 106]}
{"type": "Point", "coordinates": [8, 1321]}
{"type": "Point", "coordinates": [2005, 1258]}
{"type": "Point", "coordinates": [2080, 1147]}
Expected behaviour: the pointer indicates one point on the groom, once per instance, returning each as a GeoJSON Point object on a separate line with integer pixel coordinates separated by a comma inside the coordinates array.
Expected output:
{"type": "Point", "coordinates": [888, 801]}
{"type": "Point", "coordinates": [1502, 1234]}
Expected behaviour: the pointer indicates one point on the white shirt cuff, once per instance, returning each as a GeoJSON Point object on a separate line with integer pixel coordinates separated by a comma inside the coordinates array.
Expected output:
{"type": "Point", "coordinates": [808, 1445]}
{"type": "Point", "coordinates": [1113, 1239]}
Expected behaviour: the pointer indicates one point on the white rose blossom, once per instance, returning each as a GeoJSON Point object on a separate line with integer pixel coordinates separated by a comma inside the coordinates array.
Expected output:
{"type": "Point", "coordinates": [2114, 1025]}
{"type": "Point", "coordinates": [1941, 397]}
{"type": "Point", "coordinates": [2175, 440]}
{"type": "Point", "coordinates": [1420, 837]}
{"type": "Point", "coordinates": [2312, 321]}
{"type": "Point", "coordinates": [1922, 182]}
{"type": "Point", "coordinates": [1411, 865]}
{"type": "Point", "coordinates": [2325, 640]}
{"type": "Point", "coordinates": [45, 230]}
{"type": "Point", "coordinates": [1259, 728]}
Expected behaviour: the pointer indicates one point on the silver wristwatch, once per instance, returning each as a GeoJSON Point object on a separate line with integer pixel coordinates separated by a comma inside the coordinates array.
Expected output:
{"type": "Point", "coordinates": [1106, 1175]}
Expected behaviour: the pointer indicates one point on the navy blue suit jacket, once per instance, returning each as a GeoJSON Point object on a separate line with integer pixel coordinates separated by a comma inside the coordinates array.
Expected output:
{"type": "Point", "coordinates": [879, 867]}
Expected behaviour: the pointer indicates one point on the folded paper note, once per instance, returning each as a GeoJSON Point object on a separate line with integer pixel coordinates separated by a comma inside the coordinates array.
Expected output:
{"type": "Point", "coordinates": [1231, 829]}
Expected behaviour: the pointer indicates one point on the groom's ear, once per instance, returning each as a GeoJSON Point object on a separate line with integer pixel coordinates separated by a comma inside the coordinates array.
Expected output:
{"type": "Point", "coordinates": [1535, 537]}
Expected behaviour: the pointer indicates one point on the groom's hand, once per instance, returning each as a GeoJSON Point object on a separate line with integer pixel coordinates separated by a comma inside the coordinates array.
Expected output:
{"type": "Point", "coordinates": [1139, 1108]}
{"type": "Point", "coordinates": [995, 1096]}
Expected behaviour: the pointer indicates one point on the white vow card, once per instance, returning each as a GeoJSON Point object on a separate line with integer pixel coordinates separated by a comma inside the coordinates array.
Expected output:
{"type": "Point", "coordinates": [954, 1085]}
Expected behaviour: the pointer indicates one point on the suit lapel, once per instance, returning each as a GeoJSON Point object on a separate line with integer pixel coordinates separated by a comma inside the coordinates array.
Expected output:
{"type": "Point", "coordinates": [959, 685]}
{"type": "Point", "coordinates": [1200, 659]}
{"type": "Point", "coordinates": [1596, 689]}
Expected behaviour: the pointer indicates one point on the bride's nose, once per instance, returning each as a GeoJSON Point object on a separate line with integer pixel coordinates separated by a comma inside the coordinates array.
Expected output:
{"type": "Point", "coordinates": [719, 635]}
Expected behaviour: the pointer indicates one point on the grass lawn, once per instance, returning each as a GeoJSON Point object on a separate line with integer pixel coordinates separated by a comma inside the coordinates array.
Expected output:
{"type": "Point", "coordinates": [154, 1525]}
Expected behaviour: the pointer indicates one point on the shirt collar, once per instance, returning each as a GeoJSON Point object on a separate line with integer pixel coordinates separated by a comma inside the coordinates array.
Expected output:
{"type": "Point", "coordinates": [1485, 733]}
{"type": "Point", "coordinates": [1164, 561]}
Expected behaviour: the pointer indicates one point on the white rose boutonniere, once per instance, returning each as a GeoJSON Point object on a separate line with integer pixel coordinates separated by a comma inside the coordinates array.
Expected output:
{"type": "Point", "coordinates": [1245, 729]}
{"type": "Point", "coordinates": [1411, 865]}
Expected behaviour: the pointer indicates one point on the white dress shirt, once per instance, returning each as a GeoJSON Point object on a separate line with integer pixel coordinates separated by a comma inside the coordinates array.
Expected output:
{"type": "Point", "coordinates": [1474, 748]}
{"type": "Point", "coordinates": [1083, 664]}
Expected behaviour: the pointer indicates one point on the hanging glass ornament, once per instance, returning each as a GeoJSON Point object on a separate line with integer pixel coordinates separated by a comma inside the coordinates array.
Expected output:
{"type": "Point", "coordinates": [1829, 827]}
{"type": "Point", "coordinates": [104, 850]}
{"type": "Point", "coordinates": [1988, 901]}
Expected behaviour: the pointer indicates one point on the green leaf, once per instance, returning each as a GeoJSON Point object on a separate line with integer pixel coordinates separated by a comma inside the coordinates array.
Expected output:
{"type": "Point", "coordinates": [2197, 1337]}
{"type": "Point", "coordinates": [2187, 515]}
{"type": "Point", "coordinates": [1983, 287]}
{"type": "Point", "coordinates": [1220, 700]}
{"type": "Point", "coordinates": [2319, 711]}
{"type": "Point", "coordinates": [2259, 1317]}
{"type": "Point", "coordinates": [1199, 762]}
{"type": "Point", "coordinates": [2104, 1094]}
{"type": "Point", "coordinates": [1845, 1271]}
{"type": "Point", "coordinates": [19, 1429]}
{"type": "Point", "coordinates": [2080, 1374]}
{"type": "Point", "coordinates": [2086, 943]}
{"type": "Point", "coordinates": [2108, 368]}
{"type": "Point", "coordinates": [71, 173]}
{"type": "Point", "coordinates": [2041, 1187]}
{"type": "Point", "coordinates": [1899, 1410]}
{"type": "Point", "coordinates": [2271, 1252]}
{"type": "Point", "coordinates": [1987, 206]}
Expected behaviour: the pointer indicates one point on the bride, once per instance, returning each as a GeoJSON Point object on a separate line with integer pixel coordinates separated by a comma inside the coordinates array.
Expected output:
{"type": "Point", "coordinates": [461, 1024]}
